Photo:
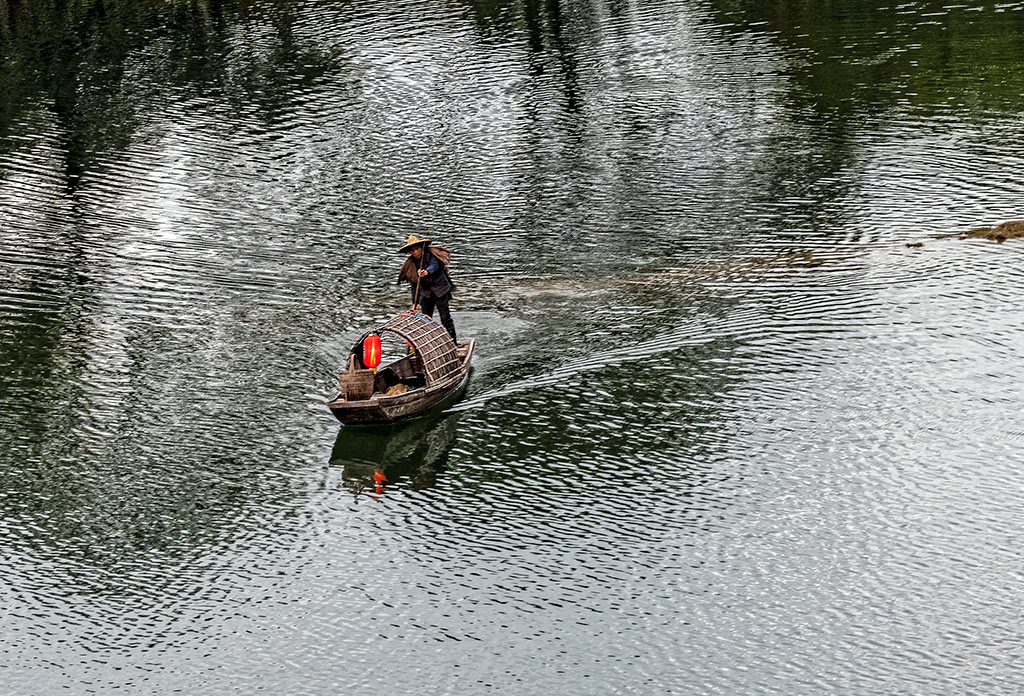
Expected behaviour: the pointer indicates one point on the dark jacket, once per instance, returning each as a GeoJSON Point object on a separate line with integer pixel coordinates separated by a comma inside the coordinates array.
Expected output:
{"type": "Point", "coordinates": [436, 283]}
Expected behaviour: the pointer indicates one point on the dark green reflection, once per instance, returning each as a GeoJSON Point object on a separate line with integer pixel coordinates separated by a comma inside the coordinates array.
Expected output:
{"type": "Point", "coordinates": [851, 56]}
{"type": "Point", "coordinates": [74, 58]}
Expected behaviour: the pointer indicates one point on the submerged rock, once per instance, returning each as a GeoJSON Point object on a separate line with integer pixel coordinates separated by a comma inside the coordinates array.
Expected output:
{"type": "Point", "coordinates": [1014, 229]}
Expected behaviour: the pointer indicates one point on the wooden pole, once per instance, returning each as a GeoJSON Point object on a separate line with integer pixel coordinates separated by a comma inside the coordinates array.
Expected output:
{"type": "Point", "coordinates": [416, 299]}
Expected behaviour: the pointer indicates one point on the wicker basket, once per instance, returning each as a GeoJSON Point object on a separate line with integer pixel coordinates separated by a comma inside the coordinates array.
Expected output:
{"type": "Point", "coordinates": [356, 385]}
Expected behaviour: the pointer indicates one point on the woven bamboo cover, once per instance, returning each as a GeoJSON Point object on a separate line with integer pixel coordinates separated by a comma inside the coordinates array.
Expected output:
{"type": "Point", "coordinates": [432, 342]}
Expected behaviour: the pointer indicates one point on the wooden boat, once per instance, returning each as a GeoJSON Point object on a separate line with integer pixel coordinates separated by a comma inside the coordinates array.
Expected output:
{"type": "Point", "coordinates": [435, 372]}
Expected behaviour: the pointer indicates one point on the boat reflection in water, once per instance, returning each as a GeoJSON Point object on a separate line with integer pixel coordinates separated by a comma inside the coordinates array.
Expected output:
{"type": "Point", "coordinates": [409, 454]}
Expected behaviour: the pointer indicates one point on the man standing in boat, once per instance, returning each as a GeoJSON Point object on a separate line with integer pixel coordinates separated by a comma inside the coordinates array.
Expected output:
{"type": "Point", "coordinates": [426, 270]}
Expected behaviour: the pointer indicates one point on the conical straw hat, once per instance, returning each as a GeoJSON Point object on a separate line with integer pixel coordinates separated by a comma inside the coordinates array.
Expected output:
{"type": "Point", "coordinates": [412, 241]}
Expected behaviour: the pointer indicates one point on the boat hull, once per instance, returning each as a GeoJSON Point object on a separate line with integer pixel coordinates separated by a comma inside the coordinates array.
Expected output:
{"type": "Point", "coordinates": [383, 410]}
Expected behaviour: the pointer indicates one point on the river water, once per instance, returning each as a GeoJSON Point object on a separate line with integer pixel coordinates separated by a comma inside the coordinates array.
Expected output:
{"type": "Point", "coordinates": [740, 421]}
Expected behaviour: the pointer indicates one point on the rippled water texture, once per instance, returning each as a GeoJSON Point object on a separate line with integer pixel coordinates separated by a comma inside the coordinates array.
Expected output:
{"type": "Point", "coordinates": [740, 422]}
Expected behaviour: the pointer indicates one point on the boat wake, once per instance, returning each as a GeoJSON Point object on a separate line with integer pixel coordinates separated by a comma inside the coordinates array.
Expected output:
{"type": "Point", "coordinates": [696, 332]}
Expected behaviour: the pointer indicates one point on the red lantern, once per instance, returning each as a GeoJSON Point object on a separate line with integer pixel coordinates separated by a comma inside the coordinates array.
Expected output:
{"type": "Point", "coordinates": [371, 351]}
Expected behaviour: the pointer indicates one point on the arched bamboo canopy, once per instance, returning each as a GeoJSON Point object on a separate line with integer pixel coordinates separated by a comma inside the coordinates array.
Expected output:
{"type": "Point", "coordinates": [432, 343]}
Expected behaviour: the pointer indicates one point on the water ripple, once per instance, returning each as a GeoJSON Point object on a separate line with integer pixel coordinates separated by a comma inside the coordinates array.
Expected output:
{"type": "Point", "coordinates": [741, 417]}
